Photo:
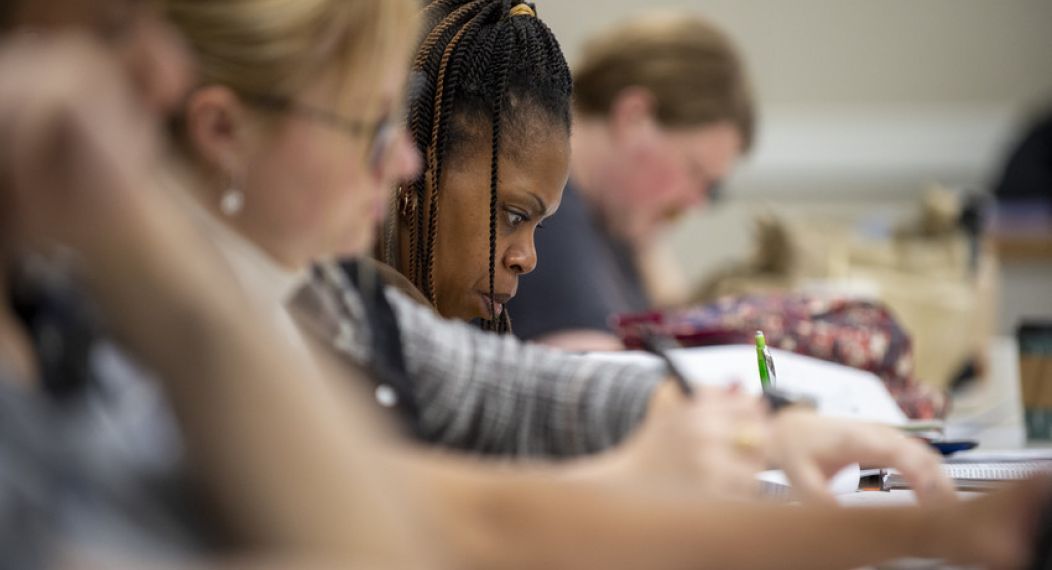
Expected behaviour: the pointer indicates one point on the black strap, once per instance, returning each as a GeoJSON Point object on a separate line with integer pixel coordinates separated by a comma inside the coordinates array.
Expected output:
{"type": "Point", "coordinates": [388, 362]}
{"type": "Point", "coordinates": [60, 325]}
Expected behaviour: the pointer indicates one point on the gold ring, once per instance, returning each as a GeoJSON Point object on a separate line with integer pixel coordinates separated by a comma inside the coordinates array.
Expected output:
{"type": "Point", "coordinates": [747, 440]}
{"type": "Point", "coordinates": [522, 10]}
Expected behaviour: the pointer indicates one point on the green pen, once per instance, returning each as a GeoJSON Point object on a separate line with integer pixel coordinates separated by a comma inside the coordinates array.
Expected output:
{"type": "Point", "coordinates": [776, 399]}
{"type": "Point", "coordinates": [765, 362]}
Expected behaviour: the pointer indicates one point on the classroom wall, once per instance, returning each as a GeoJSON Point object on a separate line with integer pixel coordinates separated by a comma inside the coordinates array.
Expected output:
{"type": "Point", "coordinates": [862, 103]}
{"type": "Point", "coordinates": [859, 51]}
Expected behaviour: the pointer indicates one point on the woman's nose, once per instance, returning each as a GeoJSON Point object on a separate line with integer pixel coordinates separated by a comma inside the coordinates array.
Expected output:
{"type": "Point", "coordinates": [521, 258]}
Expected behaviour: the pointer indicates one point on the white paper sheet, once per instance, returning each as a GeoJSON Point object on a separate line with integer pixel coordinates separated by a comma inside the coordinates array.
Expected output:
{"type": "Point", "coordinates": [840, 391]}
{"type": "Point", "coordinates": [844, 482]}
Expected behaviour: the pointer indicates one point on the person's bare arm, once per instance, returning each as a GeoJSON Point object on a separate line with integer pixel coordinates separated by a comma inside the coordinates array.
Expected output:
{"type": "Point", "coordinates": [522, 520]}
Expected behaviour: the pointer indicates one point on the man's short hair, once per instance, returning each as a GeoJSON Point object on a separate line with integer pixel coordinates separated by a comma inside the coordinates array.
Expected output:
{"type": "Point", "coordinates": [691, 68]}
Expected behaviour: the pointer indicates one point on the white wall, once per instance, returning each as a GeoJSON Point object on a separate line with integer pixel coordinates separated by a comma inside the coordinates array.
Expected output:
{"type": "Point", "coordinates": [862, 51]}
{"type": "Point", "coordinates": [862, 102]}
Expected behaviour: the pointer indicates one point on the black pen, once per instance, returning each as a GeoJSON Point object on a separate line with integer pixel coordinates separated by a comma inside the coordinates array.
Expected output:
{"type": "Point", "coordinates": [660, 346]}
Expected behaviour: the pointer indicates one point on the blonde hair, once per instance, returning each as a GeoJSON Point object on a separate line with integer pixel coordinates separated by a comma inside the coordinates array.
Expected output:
{"type": "Point", "coordinates": [690, 67]}
{"type": "Point", "coordinates": [276, 47]}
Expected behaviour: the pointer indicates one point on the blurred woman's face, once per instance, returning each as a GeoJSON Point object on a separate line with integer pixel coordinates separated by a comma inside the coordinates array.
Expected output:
{"type": "Point", "coordinates": [316, 186]}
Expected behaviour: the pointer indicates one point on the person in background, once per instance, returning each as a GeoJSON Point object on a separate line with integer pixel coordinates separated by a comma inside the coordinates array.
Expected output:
{"type": "Point", "coordinates": [1027, 174]}
{"type": "Point", "coordinates": [663, 110]}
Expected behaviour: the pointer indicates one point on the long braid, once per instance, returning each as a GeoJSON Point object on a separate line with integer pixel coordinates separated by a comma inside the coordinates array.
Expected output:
{"type": "Point", "coordinates": [477, 62]}
{"type": "Point", "coordinates": [446, 89]}
{"type": "Point", "coordinates": [435, 168]}
{"type": "Point", "coordinates": [428, 122]}
{"type": "Point", "coordinates": [421, 116]}
{"type": "Point", "coordinates": [498, 107]}
{"type": "Point", "coordinates": [432, 13]}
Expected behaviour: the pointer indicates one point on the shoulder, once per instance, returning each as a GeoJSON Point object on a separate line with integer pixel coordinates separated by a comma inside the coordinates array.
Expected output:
{"type": "Point", "coordinates": [391, 277]}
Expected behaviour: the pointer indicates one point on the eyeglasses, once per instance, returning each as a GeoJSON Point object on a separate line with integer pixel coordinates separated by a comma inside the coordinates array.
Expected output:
{"type": "Point", "coordinates": [710, 186]}
{"type": "Point", "coordinates": [380, 134]}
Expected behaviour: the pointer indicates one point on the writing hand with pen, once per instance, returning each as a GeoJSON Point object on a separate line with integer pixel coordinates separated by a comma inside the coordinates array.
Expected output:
{"type": "Point", "coordinates": [786, 434]}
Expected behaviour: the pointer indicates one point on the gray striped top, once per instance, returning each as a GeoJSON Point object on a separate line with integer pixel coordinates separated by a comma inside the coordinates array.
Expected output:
{"type": "Point", "coordinates": [493, 394]}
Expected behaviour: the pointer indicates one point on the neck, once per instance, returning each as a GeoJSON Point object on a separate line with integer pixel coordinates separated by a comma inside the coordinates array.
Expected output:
{"type": "Point", "coordinates": [591, 149]}
{"type": "Point", "coordinates": [589, 143]}
{"type": "Point", "coordinates": [202, 189]}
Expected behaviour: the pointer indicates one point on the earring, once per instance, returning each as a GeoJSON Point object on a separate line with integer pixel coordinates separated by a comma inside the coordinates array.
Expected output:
{"type": "Point", "coordinates": [406, 203]}
{"type": "Point", "coordinates": [232, 201]}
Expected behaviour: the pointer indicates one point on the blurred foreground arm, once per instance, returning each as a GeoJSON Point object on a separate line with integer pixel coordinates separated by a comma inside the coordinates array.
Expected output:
{"type": "Point", "coordinates": [280, 454]}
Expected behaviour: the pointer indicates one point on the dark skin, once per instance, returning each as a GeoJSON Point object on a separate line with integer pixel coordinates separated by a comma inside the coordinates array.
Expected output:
{"type": "Point", "coordinates": [532, 177]}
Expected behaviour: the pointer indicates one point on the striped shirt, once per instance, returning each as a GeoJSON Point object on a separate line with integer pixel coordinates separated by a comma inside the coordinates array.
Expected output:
{"type": "Point", "coordinates": [487, 393]}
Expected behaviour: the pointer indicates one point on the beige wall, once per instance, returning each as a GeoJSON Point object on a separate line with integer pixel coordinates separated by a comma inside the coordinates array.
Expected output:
{"type": "Point", "coordinates": [863, 51]}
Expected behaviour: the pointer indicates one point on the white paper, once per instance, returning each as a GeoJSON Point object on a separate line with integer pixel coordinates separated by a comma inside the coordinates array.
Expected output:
{"type": "Point", "coordinates": [1001, 455]}
{"type": "Point", "coordinates": [840, 391]}
{"type": "Point", "coordinates": [843, 482]}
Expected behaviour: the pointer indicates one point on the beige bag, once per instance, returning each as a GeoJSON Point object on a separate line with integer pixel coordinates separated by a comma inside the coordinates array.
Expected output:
{"type": "Point", "coordinates": [924, 273]}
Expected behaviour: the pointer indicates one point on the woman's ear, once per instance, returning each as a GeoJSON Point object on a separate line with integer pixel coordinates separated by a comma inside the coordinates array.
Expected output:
{"type": "Point", "coordinates": [633, 109]}
{"type": "Point", "coordinates": [217, 128]}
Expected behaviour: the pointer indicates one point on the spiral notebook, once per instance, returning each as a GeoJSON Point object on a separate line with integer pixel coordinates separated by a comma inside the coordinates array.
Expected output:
{"type": "Point", "coordinates": [978, 476]}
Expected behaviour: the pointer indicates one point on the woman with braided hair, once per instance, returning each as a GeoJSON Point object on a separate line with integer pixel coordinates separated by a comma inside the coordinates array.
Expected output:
{"type": "Point", "coordinates": [491, 118]}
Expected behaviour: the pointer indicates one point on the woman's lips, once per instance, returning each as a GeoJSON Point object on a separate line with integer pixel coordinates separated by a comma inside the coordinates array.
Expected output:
{"type": "Point", "coordinates": [497, 302]}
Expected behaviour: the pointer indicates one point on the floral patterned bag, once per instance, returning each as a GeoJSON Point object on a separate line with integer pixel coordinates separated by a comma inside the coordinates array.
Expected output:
{"type": "Point", "coordinates": [856, 333]}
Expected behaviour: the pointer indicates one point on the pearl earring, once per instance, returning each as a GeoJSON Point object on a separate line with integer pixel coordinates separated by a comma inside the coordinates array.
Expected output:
{"type": "Point", "coordinates": [232, 201]}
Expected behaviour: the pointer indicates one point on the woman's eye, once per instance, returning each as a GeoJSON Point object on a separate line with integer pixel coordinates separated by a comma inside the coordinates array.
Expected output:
{"type": "Point", "coordinates": [516, 218]}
